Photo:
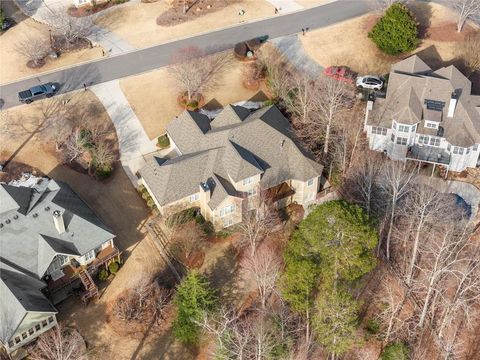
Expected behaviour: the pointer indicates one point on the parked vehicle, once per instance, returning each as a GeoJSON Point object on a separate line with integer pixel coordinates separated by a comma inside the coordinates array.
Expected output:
{"type": "Point", "coordinates": [7, 24]}
{"type": "Point", "coordinates": [369, 82]}
{"type": "Point", "coordinates": [340, 73]}
{"type": "Point", "coordinates": [37, 92]}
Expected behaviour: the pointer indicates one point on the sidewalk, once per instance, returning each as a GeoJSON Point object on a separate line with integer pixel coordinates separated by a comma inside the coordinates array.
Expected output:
{"type": "Point", "coordinates": [42, 10]}
{"type": "Point", "coordinates": [286, 6]}
{"type": "Point", "coordinates": [132, 139]}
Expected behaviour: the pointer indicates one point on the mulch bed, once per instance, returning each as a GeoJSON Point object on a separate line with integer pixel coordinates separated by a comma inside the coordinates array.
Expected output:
{"type": "Point", "coordinates": [198, 8]}
{"type": "Point", "coordinates": [60, 44]}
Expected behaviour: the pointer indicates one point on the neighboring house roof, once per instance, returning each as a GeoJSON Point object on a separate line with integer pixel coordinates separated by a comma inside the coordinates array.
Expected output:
{"type": "Point", "coordinates": [20, 294]}
{"type": "Point", "coordinates": [237, 144]}
{"type": "Point", "coordinates": [413, 86]}
{"type": "Point", "coordinates": [29, 238]}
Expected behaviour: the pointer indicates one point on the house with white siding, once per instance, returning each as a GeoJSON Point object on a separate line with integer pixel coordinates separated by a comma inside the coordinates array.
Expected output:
{"type": "Point", "coordinates": [225, 164]}
{"type": "Point", "coordinates": [51, 243]}
{"type": "Point", "coordinates": [428, 116]}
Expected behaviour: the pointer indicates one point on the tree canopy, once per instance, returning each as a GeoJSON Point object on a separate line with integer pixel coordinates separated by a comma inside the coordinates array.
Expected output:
{"type": "Point", "coordinates": [396, 32]}
{"type": "Point", "coordinates": [194, 297]}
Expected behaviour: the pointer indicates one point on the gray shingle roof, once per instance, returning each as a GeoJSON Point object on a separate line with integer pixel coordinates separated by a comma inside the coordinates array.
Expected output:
{"type": "Point", "coordinates": [412, 83]}
{"type": "Point", "coordinates": [237, 146]}
{"type": "Point", "coordinates": [19, 294]}
{"type": "Point", "coordinates": [27, 240]}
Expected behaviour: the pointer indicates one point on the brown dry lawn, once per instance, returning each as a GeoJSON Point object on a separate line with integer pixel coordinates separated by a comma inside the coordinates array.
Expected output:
{"type": "Point", "coordinates": [13, 65]}
{"type": "Point", "coordinates": [153, 96]}
{"type": "Point", "coordinates": [137, 23]}
{"type": "Point", "coordinates": [347, 43]}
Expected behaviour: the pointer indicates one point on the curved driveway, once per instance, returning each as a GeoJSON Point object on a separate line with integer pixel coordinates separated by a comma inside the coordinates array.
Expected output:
{"type": "Point", "coordinates": [138, 61]}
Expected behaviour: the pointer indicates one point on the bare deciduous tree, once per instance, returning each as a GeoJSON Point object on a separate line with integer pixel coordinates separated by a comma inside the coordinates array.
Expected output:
{"type": "Point", "coordinates": [303, 99]}
{"type": "Point", "coordinates": [467, 9]}
{"type": "Point", "coordinates": [278, 70]}
{"type": "Point", "coordinates": [442, 255]}
{"type": "Point", "coordinates": [34, 48]}
{"type": "Point", "coordinates": [264, 266]}
{"type": "Point", "coordinates": [60, 343]}
{"type": "Point", "coordinates": [142, 303]}
{"type": "Point", "coordinates": [469, 50]}
{"type": "Point", "coordinates": [103, 154]}
{"type": "Point", "coordinates": [395, 183]}
{"type": "Point", "coordinates": [362, 183]}
{"type": "Point", "coordinates": [196, 71]}
{"type": "Point", "coordinates": [69, 28]}
{"type": "Point", "coordinates": [260, 219]}
{"type": "Point", "coordinates": [186, 240]}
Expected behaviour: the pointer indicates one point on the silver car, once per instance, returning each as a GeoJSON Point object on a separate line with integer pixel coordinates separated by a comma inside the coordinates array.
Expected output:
{"type": "Point", "coordinates": [369, 82]}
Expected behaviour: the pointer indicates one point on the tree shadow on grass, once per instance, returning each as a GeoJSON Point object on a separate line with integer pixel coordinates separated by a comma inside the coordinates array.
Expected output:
{"type": "Point", "coordinates": [224, 275]}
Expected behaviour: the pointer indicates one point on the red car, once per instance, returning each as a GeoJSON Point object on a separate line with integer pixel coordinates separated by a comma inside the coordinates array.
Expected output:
{"type": "Point", "coordinates": [340, 73]}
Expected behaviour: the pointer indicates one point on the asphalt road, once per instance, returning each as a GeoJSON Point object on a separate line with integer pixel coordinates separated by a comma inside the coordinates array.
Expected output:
{"type": "Point", "coordinates": [138, 61]}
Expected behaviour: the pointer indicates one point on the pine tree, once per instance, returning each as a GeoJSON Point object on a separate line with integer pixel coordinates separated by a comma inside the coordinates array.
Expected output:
{"type": "Point", "coordinates": [335, 320]}
{"type": "Point", "coordinates": [396, 32]}
{"type": "Point", "coordinates": [194, 297]}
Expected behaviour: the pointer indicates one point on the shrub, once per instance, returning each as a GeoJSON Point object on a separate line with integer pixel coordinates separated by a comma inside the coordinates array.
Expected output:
{"type": "Point", "coordinates": [150, 203]}
{"type": "Point", "coordinates": [103, 172]}
{"type": "Point", "coordinates": [103, 275]}
{"type": "Point", "coordinates": [199, 219]}
{"type": "Point", "coordinates": [373, 326]}
{"type": "Point", "coordinates": [163, 141]}
{"type": "Point", "coordinates": [396, 32]}
{"type": "Point", "coordinates": [208, 228]}
{"type": "Point", "coordinates": [113, 267]}
{"type": "Point", "coordinates": [396, 351]}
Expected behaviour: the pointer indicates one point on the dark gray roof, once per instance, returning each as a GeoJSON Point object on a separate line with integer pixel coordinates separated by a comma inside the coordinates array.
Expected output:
{"type": "Point", "coordinates": [412, 84]}
{"type": "Point", "coordinates": [31, 240]}
{"type": "Point", "coordinates": [236, 147]}
{"type": "Point", "coordinates": [19, 294]}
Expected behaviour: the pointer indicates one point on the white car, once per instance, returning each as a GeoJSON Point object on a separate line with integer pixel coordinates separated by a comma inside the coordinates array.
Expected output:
{"type": "Point", "coordinates": [369, 82]}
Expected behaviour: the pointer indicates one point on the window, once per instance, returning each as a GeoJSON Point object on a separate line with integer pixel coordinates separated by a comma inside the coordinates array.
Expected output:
{"type": "Point", "coordinates": [24, 336]}
{"type": "Point", "coordinates": [458, 150]}
{"type": "Point", "coordinates": [90, 255]}
{"type": "Point", "coordinates": [414, 127]}
{"type": "Point", "coordinates": [10, 343]}
{"type": "Point", "coordinates": [17, 340]}
{"type": "Point", "coordinates": [310, 182]}
{"type": "Point", "coordinates": [394, 124]}
{"type": "Point", "coordinates": [403, 128]}
{"type": "Point", "coordinates": [227, 210]}
{"type": "Point", "coordinates": [194, 197]}
{"type": "Point", "coordinates": [434, 105]}
{"type": "Point", "coordinates": [228, 223]}
{"type": "Point", "coordinates": [468, 150]}
{"type": "Point", "coordinates": [44, 323]}
{"type": "Point", "coordinates": [401, 141]}
{"type": "Point", "coordinates": [379, 131]}
{"type": "Point", "coordinates": [248, 180]}
{"type": "Point", "coordinates": [31, 331]}
{"type": "Point", "coordinates": [434, 141]}
{"type": "Point", "coordinates": [431, 125]}
{"type": "Point", "coordinates": [37, 327]}
{"type": "Point", "coordinates": [50, 319]}
{"type": "Point", "coordinates": [393, 137]}
{"type": "Point", "coordinates": [252, 192]}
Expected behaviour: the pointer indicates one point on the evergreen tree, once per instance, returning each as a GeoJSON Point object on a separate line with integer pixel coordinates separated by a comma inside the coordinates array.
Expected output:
{"type": "Point", "coordinates": [396, 351]}
{"type": "Point", "coordinates": [396, 32]}
{"type": "Point", "coordinates": [335, 320]}
{"type": "Point", "coordinates": [194, 297]}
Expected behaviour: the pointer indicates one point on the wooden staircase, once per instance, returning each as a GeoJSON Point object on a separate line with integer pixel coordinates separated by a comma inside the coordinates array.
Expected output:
{"type": "Point", "coordinates": [91, 290]}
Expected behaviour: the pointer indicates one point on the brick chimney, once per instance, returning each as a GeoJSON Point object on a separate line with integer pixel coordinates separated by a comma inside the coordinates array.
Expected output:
{"type": "Point", "coordinates": [58, 221]}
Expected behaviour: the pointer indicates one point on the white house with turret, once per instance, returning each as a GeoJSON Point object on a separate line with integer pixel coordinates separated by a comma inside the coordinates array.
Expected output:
{"type": "Point", "coordinates": [426, 116]}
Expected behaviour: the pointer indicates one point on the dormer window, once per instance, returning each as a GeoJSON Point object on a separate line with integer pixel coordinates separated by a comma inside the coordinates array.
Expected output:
{"type": "Point", "coordinates": [431, 124]}
{"type": "Point", "coordinates": [248, 180]}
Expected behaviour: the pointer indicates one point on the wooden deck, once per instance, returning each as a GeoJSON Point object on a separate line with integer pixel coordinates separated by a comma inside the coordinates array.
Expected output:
{"type": "Point", "coordinates": [71, 272]}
